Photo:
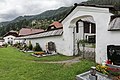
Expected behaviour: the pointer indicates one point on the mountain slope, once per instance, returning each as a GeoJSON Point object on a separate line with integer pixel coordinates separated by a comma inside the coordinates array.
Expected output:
{"type": "Point", "coordinates": [40, 21]}
{"type": "Point", "coordinates": [44, 19]}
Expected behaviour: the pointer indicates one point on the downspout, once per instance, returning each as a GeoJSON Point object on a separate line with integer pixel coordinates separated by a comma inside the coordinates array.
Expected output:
{"type": "Point", "coordinates": [73, 41]}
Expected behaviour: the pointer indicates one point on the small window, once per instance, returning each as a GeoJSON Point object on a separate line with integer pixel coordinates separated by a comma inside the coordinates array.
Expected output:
{"type": "Point", "coordinates": [77, 27]}
{"type": "Point", "coordinates": [52, 27]}
{"type": "Point", "coordinates": [93, 28]}
{"type": "Point", "coordinates": [86, 27]}
{"type": "Point", "coordinates": [91, 39]}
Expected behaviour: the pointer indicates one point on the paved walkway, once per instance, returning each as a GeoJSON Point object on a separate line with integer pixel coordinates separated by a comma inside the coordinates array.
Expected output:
{"type": "Point", "coordinates": [75, 60]}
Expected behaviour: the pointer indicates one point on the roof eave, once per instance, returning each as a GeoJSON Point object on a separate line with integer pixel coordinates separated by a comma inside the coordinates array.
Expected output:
{"type": "Point", "coordinates": [111, 7]}
{"type": "Point", "coordinates": [113, 29]}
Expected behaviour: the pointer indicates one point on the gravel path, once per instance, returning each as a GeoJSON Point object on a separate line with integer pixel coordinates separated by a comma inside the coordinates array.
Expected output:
{"type": "Point", "coordinates": [75, 60]}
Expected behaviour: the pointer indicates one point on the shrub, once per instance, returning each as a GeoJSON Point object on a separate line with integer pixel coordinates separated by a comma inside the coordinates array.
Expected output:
{"type": "Point", "coordinates": [37, 47]}
{"type": "Point", "coordinates": [5, 45]}
{"type": "Point", "coordinates": [25, 47]}
{"type": "Point", "coordinates": [30, 46]}
{"type": "Point", "coordinates": [16, 44]}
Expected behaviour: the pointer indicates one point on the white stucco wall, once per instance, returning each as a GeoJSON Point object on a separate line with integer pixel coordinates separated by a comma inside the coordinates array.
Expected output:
{"type": "Point", "coordinates": [58, 40]}
{"type": "Point", "coordinates": [19, 41]}
{"type": "Point", "coordinates": [1, 43]}
{"type": "Point", "coordinates": [106, 38]}
{"type": "Point", "coordinates": [9, 38]}
{"type": "Point", "coordinates": [101, 17]}
{"type": "Point", "coordinates": [65, 44]}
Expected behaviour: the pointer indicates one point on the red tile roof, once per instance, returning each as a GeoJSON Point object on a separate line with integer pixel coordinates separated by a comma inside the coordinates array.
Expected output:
{"type": "Point", "coordinates": [27, 31]}
{"type": "Point", "coordinates": [56, 24]}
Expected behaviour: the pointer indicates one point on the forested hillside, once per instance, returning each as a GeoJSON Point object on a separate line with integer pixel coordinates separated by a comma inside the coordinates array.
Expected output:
{"type": "Point", "coordinates": [42, 20]}
{"type": "Point", "coordinates": [105, 2]}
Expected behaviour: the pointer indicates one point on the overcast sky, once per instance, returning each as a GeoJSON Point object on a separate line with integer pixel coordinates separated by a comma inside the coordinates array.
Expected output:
{"type": "Point", "coordinates": [10, 9]}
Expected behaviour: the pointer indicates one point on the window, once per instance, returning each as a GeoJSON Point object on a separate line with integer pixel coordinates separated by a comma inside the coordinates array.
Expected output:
{"type": "Point", "coordinates": [77, 27]}
{"type": "Point", "coordinates": [86, 27]}
{"type": "Point", "coordinates": [91, 39]}
{"type": "Point", "coordinates": [93, 28]}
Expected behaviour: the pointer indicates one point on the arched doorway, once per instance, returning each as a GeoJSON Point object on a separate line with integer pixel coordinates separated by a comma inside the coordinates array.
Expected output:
{"type": "Point", "coordinates": [84, 31]}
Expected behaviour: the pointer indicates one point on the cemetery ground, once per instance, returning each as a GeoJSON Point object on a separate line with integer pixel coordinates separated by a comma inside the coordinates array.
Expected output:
{"type": "Point", "coordinates": [16, 65]}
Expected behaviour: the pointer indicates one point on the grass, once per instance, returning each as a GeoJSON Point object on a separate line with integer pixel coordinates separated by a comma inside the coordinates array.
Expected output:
{"type": "Point", "coordinates": [13, 53]}
{"type": "Point", "coordinates": [15, 65]}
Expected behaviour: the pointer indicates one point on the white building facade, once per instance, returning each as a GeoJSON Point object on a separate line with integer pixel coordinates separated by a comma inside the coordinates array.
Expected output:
{"type": "Point", "coordinates": [101, 17]}
{"type": "Point", "coordinates": [66, 42]}
{"type": "Point", "coordinates": [10, 39]}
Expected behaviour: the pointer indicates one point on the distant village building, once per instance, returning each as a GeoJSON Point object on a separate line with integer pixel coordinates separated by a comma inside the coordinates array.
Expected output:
{"type": "Point", "coordinates": [55, 25]}
{"type": "Point", "coordinates": [9, 37]}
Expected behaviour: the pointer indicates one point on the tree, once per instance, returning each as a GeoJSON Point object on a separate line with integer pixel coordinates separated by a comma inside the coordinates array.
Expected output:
{"type": "Point", "coordinates": [30, 46]}
{"type": "Point", "coordinates": [37, 47]}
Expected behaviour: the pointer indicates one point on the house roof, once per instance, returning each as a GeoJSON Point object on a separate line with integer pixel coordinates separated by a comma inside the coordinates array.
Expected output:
{"type": "Point", "coordinates": [94, 5]}
{"type": "Point", "coordinates": [56, 24]}
{"type": "Point", "coordinates": [114, 25]}
{"type": "Point", "coordinates": [111, 7]}
{"type": "Point", "coordinates": [13, 33]}
{"type": "Point", "coordinates": [28, 31]}
{"type": "Point", "coordinates": [57, 32]}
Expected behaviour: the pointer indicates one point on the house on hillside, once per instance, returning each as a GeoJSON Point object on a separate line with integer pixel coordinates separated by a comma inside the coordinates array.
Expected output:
{"type": "Point", "coordinates": [54, 25]}
{"type": "Point", "coordinates": [93, 23]}
{"type": "Point", "coordinates": [10, 36]}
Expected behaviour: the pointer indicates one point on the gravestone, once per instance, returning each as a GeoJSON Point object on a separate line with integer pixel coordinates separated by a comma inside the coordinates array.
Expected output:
{"type": "Point", "coordinates": [51, 46]}
{"type": "Point", "coordinates": [113, 54]}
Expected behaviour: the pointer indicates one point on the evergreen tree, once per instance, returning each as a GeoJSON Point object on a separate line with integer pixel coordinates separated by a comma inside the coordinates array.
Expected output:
{"type": "Point", "coordinates": [37, 47]}
{"type": "Point", "coordinates": [30, 46]}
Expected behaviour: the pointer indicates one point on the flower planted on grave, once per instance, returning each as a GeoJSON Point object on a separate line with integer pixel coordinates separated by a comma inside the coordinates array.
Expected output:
{"type": "Point", "coordinates": [112, 72]}
{"type": "Point", "coordinates": [39, 53]}
{"type": "Point", "coordinates": [102, 69]}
